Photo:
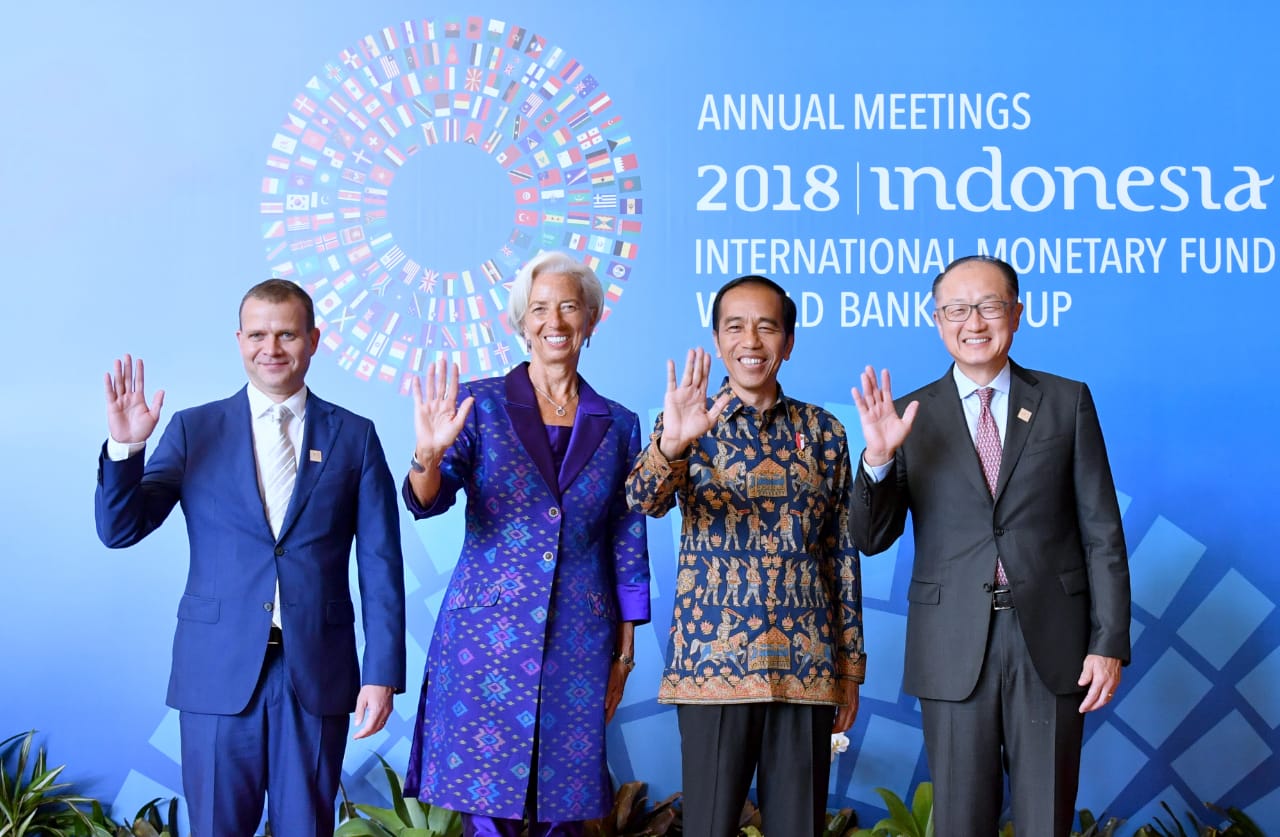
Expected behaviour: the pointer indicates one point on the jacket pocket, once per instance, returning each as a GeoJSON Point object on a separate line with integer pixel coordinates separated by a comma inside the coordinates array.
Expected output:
{"type": "Point", "coordinates": [198, 609]}
{"type": "Point", "coordinates": [473, 595]}
{"type": "Point", "coordinates": [924, 592]}
{"type": "Point", "coordinates": [1074, 582]}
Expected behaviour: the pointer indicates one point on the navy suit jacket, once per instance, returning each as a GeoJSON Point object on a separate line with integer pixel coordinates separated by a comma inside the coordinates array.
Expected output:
{"type": "Point", "coordinates": [344, 492]}
{"type": "Point", "coordinates": [1054, 521]}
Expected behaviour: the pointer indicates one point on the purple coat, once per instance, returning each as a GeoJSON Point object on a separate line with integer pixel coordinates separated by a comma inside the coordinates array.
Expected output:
{"type": "Point", "coordinates": [524, 641]}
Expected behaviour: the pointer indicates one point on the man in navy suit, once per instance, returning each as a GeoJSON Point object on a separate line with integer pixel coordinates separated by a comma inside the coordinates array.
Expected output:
{"type": "Point", "coordinates": [275, 484]}
{"type": "Point", "coordinates": [1018, 607]}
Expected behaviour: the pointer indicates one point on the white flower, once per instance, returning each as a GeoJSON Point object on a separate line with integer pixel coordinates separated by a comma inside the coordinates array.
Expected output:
{"type": "Point", "coordinates": [839, 743]}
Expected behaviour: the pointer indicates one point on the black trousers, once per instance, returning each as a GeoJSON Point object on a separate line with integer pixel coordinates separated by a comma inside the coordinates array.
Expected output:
{"type": "Point", "coordinates": [787, 745]}
{"type": "Point", "coordinates": [1011, 723]}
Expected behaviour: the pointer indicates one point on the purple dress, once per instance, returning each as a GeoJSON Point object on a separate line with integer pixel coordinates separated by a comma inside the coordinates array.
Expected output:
{"type": "Point", "coordinates": [552, 559]}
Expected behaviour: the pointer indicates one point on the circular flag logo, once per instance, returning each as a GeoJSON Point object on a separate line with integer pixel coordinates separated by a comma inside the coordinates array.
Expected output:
{"type": "Point", "coordinates": [356, 205]}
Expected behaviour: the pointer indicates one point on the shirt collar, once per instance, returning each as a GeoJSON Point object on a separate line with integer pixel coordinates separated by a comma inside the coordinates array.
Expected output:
{"type": "Point", "coordinates": [736, 404]}
{"type": "Point", "coordinates": [260, 402]}
{"type": "Point", "coordinates": [966, 387]}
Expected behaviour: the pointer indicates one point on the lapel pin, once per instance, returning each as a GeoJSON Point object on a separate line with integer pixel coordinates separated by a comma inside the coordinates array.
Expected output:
{"type": "Point", "coordinates": [800, 441]}
{"type": "Point", "coordinates": [316, 456]}
{"type": "Point", "coordinates": [1023, 415]}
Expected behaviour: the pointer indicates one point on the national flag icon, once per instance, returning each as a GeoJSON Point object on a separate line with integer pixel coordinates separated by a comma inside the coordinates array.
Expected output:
{"type": "Point", "coordinates": [351, 235]}
{"type": "Point", "coordinates": [578, 118]}
{"type": "Point", "coordinates": [313, 139]}
{"type": "Point", "coordinates": [381, 176]}
{"type": "Point", "coordinates": [549, 177]}
{"type": "Point", "coordinates": [536, 45]}
{"type": "Point", "coordinates": [390, 69]}
{"type": "Point", "coordinates": [516, 39]}
{"type": "Point", "coordinates": [602, 223]}
{"type": "Point", "coordinates": [628, 226]}
{"type": "Point", "coordinates": [297, 203]}
{"type": "Point", "coordinates": [627, 162]}
{"type": "Point", "coordinates": [526, 217]}
{"type": "Point", "coordinates": [283, 144]}
{"type": "Point", "coordinates": [625, 249]}
{"type": "Point", "coordinates": [633, 206]}
{"type": "Point", "coordinates": [271, 208]}
{"type": "Point", "coordinates": [473, 132]}
{"type": "Point", "coordinates": [619, 271]}
{"type": "Point", "coordinates": [473, 80]}
{"type": "Point", "coordinates": [452, 29]}
{"type": "Point", "coordinates": [599, 103]}
{"type": "Point", "coordinates": [552, 194]}
{"type": "Point", "coordinates": [599, 243]}
{"type": "Point", "coordinates": [602, 177]}
{"type": "Point", "coordinates": [542, 158]}
{"type": "Point", "coordinates": [273, 229]}
{"type": "Point", "coordinates": [613, 292]}
{"type": "Point", "coordinates": [271, 185]}
{"type": "Point", "coordinates": [519, 175]}
{"type": "Point", "coordinates": [588, 139]}
{"type": "Point", "coordinates": [364, 369]}
{"type": "Point", "coordinates": [571, 71]}
{"type": "Point", "coordinates": [561, 136]}
{"type": "Point", "coordinates": [629, 184]}
{"type": "Point", "coordinates": [584, 87]}
{"type": "Point", "coordinates": [604, 201]}
{"type": "Point", "coordinates": [496, 28]}
{"type": "Point", "coordinates": [575, 176]}
{"type": "Point", "coordinates": [294, 124]}
{"type": "Point", "coordinates": [575, 241]}
{"type": "Point", "coordinates": [580, 218]}
{"type": "Point", "coordinates": [276, 161]}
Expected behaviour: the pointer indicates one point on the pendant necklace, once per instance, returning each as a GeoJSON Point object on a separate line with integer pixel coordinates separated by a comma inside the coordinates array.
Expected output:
{"type": "Point", "coordinates": [561, 409]}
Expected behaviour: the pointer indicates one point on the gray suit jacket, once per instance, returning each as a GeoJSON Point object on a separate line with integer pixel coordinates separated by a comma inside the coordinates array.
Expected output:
{"type": "Point", "coordinates": [1054, 522]}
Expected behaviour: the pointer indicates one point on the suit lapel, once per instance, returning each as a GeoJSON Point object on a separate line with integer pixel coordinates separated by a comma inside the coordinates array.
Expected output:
{"type": "Point", "coordinates": [954, 429]}
{"type": "Point", "coordinates": [526, 421]}
{"type": "Point", "coordinates": [589, 426]}
{"type": "Point", "coordinates": [1024, 403]}
{"type": "Point", "coordinates": [318, 434]}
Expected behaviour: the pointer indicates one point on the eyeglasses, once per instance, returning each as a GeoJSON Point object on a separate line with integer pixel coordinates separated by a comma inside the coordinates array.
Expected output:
{"type": "Point", "coordinates": [992, 309]}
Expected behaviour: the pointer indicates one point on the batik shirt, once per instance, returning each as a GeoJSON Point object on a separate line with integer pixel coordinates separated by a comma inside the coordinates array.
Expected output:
{"type": "Point", "coordinates": [768, 593]}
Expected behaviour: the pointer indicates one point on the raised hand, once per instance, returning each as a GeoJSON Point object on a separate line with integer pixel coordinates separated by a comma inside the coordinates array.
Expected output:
{"type": "Point", "coordinates": [882, 428]}
{"type": "Point", "coordinates": [685, 415]}
{"type": "Point", "coordinates": [437, 417]}
{"type": "Point", "coordinates": [129, 419]}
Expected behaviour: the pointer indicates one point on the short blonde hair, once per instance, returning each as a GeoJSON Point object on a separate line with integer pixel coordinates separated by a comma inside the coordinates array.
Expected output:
{"type": "Point", "coordinates": [562, 264]}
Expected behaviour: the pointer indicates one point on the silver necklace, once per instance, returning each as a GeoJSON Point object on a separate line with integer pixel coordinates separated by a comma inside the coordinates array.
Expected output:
{"type": "Point", "coordinates": [561, 409]}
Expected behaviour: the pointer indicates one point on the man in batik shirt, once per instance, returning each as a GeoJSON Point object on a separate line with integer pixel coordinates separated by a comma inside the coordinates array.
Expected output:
{"type": "Point", "coordinates": [763, 483]}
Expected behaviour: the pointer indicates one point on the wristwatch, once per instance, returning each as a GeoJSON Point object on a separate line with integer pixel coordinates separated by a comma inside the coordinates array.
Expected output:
{"type": "Point", "coordinates": [627, 660]}
{"type": "Point", "coordinates": [416, 466]}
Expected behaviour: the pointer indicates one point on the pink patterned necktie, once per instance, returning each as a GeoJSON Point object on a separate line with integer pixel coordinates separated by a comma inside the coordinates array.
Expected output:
{"type": "Point", "coordinates": [989, 451]}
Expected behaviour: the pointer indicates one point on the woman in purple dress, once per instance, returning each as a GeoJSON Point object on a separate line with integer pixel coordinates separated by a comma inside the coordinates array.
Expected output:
{"type": "Point", "coordinates": [534, 640]}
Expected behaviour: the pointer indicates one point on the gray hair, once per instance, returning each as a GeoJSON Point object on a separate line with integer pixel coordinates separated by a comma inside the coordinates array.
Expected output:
{"type": "Point", "coordinates": [559, 263]}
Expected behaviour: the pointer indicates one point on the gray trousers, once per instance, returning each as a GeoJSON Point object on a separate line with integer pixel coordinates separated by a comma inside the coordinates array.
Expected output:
{"type": "Point", "coordinates": [787, 746]}
{"type": "Point", "coordinates": [1011, 723]}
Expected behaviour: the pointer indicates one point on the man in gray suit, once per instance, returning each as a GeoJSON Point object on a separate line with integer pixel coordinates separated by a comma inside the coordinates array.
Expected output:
{"type": "Point", "coordinates": [1018, 608]}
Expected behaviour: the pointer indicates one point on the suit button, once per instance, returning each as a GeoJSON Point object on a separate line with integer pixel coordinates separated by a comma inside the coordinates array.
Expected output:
{"type": "Point", "coordinates": [999, 533]}
{"type": "Point", "coordinates": [547, 556]}
{"type": "Point", "coordinates": [554, 513]}
{"type": "Point", "coordinates": [279, 551]}
{"type": "Point", "coordinates": [268, 606]}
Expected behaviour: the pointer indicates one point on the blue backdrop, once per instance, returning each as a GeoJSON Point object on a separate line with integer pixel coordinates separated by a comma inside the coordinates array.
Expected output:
{"type": "Point", "coordinates": [401, 159]}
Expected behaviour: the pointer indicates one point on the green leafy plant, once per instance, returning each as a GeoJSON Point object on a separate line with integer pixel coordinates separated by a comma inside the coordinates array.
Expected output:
{"type": "Point", "coordinates": [1091, 826]}
{"type": "Point", "coordinates": [916, 821]}
{"type": "Point", "coordinates": [408, 817]}
{"type": "Point", "coordinates": [842, 823]}
{"type": "Point", "coordinates": [33, 801]}
{"type": "Point", "coordinates": [631, 818]}
{"type": "Point", "coordinates": [1239, 824]}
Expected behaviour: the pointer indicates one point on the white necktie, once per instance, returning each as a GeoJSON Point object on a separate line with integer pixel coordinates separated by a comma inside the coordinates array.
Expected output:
{"type": "Point", "coordinates": [279, 469]}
